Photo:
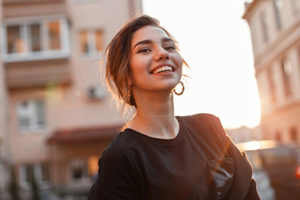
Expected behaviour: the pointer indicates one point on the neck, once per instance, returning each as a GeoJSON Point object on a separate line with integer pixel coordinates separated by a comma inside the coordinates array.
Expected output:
{"type": "Point", "coordinates": [155, 115]}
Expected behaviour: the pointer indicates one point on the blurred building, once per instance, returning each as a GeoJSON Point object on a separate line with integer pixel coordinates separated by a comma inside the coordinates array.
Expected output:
{"type": "Point", "coordinates": [3, 118]}
{"type": "Point", "coordinates": [58, 115]}
{"type": "Point", "coordinates": [275, 32]}
{"type": "Point", "coordinates": [244, 134]}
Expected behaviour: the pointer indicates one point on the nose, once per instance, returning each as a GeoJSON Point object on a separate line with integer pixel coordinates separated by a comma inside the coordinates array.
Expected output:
{"type": "Point", "coordinates": [161, 54]}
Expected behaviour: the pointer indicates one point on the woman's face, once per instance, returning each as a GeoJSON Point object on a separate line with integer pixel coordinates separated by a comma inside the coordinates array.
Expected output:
{"type": "Point", "coordinates": [155, 64]}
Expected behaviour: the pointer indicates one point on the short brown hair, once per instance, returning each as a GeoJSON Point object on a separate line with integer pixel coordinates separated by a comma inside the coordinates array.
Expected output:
{"type": "Point", "coordinates": [118, 53]}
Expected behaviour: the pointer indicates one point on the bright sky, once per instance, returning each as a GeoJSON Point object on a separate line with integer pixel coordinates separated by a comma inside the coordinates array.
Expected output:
{"type": "Point", "coordinates": [216, 43]}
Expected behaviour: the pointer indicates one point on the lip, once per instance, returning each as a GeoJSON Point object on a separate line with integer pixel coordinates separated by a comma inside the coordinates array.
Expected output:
{"type": "Point", "coordinates": [162, 65]}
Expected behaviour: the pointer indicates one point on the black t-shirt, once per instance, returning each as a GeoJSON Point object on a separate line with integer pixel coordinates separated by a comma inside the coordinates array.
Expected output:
{"type": "Point", "coordinates": [194, 165]}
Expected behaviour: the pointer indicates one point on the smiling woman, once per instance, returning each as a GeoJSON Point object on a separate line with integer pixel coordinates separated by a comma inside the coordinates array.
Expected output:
{"type": "Point", "coordinates": [155, 64]}
{"type": "Point", "coordinates": [133, 51]}
{"type": "Point", "coordinates": [158, 155]}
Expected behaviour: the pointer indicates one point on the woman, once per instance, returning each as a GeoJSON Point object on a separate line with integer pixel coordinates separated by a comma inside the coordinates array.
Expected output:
{"type": "Point", "coordinates": [158, 155]}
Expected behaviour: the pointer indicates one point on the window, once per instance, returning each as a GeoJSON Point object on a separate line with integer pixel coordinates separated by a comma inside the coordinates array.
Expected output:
{"type": "Point", "coordinates": [28, 173]}
{"type": "Point", "coordinates": [277, 4]}
{"type": "Point", "coordinates": [79, 169]}
{"type": "Point", "coordinates": [82, 169]}
{"type": "Point", "coordinates": [54, 35]}
{"type": "Point", "coordinates": [99, 40]}
{"type": "Point", "coordinates": [272, 93]}
{"type": "Point", "coordinates": [36, 40]}
{"type": "Point", "coordinates": [38, 171]}
{"type": "Point", "coordinates": [264, 27]}
{"type": "Point", "coordinates": [35, 36]}
{"type": "Point", "coordinates": [31, 115]}
{"type": "Point", "coordinates": [15, 41]}
{"type": "Point", "coordinates": [286, 71]}
{"type": "Point", "coordinates": [91, 42]}
{"type": "Point", "coordinates": [43, 172]}
{"type": "Point", "coordinates": [84, 43]}
{"type": "Point", "coordinates": [92, 165]}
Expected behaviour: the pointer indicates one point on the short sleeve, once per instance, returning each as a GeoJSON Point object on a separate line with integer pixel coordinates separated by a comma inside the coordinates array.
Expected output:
{"type": "Point", "coordinates": [116, 177]}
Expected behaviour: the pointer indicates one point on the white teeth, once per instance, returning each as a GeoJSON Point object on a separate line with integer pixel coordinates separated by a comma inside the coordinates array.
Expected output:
{"type": "Point", "coordinates": [164, 68]}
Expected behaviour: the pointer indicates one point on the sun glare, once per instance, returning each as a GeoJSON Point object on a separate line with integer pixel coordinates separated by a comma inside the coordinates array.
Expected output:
{"type": "Point", "coordinates": [217, 47]}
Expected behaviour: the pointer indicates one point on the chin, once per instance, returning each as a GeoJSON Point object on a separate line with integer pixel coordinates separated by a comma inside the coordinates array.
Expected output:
{"type": "Point", "coordinates": [162, 85]}
{"type": "Point", "coordinates": [169, 86]}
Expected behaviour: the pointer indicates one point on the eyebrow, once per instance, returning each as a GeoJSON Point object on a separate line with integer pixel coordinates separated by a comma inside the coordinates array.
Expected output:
{"type": "Point", "coordinates": [150, 41]}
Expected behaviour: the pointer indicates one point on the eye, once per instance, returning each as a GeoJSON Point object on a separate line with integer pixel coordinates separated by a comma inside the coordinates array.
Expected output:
{"type": "Point", "coordinates": [170, 48]}
{"type": "Point", "coordinates": [144, 50]}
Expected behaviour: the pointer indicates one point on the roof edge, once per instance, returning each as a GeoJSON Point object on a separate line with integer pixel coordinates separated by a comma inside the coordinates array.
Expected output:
{"type": "Point", "coordinates": [83, 134]}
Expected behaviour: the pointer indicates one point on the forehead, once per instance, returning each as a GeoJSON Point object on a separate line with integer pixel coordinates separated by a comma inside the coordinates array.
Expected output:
{"type": "Point", "coordinates": [149, 33]}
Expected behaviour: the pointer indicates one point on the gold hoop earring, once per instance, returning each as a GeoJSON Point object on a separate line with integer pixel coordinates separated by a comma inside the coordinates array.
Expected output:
{"type": "Point", "coordinates": [182, 90]}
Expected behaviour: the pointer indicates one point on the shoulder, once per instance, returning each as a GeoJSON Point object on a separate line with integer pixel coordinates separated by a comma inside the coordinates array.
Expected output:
{"type": "Point", "coordinates": [208, 127]}
{"type": "Point", "coordinates": [117, 172]}
{"type": "Point", "coordinates": [119, 149]}
{"type": "Point", "coordinates": [118, 158]}
{"type": "Point", "coordinates": [202, 116]}
{"type": "Point", "coordinates": [201, 119]}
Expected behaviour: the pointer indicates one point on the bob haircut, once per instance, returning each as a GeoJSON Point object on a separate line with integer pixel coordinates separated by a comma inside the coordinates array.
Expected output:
{"type": "Point", "coordinates": [118, 56]}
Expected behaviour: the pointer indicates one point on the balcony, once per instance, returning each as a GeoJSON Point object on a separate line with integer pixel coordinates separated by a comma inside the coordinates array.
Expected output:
{"type": "Point", "coordinates": [28, 8]}
{"type": "Point", "coordinates": [36, 51]}
{"type": "Point", "coordinates": [29, 74]}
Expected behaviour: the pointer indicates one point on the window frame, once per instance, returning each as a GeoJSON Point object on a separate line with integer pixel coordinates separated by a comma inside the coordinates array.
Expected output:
{"type": "Point", "coordinates": [78, 163]}
{"type": "Point", "coordinates": [30, 36]}
{"type": "Point", "coordinates": [45, 53]}
{"type": "Point", "coordinates": [91, 43]}
{"type": "Point", "coordinates": [32, 116]}
{"type": "Point", "coordinates": [37, 172]}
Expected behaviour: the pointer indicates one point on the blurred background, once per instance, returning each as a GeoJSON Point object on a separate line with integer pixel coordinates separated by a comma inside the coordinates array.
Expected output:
{"type": "Point", "coordinates": [57, 117]}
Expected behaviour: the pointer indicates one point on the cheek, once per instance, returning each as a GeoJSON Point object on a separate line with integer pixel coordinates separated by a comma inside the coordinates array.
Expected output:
{"type": "Point", "coordinates": [138, 64]}
{"type": "Point", "coordinates": [133, 62]}
{"type": "Point", "coordinates": [137, 69]}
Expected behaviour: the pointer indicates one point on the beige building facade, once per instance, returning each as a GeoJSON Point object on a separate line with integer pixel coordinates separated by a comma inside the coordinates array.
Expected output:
{"type": "Point", "coordinates": [59, 115]}
{"type": "Point", "coordinates": [3, 123]}
{"type": "Point", "coordinates": [275, 32]}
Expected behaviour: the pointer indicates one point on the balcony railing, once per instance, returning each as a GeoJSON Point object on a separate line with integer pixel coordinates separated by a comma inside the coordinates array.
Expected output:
{"type": "Point", "coordinates": [32, 74]}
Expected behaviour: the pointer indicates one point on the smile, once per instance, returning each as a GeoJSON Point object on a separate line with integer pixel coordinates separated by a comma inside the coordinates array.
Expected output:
{"type": "Point", "coordinates": [163, 69]}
